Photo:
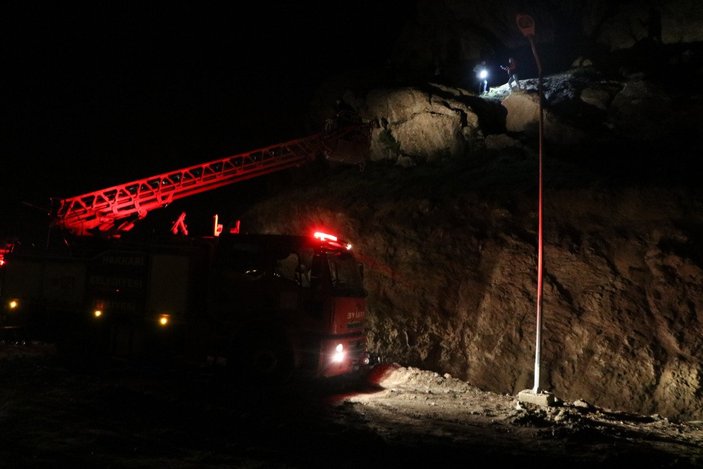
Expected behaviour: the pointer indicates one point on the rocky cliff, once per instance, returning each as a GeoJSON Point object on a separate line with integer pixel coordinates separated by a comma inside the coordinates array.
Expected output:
{"type": "Point", "coordinates": [444, 217]}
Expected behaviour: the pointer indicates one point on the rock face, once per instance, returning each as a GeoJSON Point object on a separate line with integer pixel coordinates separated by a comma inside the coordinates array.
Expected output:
{"type": "Point", "coordinates": [417, 125]}
{"type": "Point", "coordinates": [451, 277]}
{"type": "Point", "coordinates": [449, 244]}
{"type": "Point", "coordinates": [445, 219]}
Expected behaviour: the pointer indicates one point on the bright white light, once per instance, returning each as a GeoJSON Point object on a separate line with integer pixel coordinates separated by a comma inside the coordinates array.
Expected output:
{"type": "Point", "coordinates": [338, 356]}
{"type": "Point", "coordinates": [164, 319]}
{"type": "Point", "coordinates": [97, 313]}
{"type": "Point", "coordinates": [483, 74]}
{"type": "Point", "coordinates": [13, 304]}
{"type": "Point", "coordinates": [324, 236]}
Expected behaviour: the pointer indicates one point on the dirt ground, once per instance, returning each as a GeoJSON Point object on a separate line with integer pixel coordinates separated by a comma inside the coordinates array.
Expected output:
{"type": "Point", "coordinates": [394, 416]}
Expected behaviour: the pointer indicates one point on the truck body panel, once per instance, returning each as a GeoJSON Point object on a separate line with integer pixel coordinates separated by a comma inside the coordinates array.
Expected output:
{"type": "Point", "coordinates": [234, 299]}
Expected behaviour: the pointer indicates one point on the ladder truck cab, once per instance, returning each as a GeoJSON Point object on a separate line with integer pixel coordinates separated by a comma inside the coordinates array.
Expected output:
{"type": "Point", "coordinates": [269, 305]}
{"type": "Point", "coordinates": [300, 304]}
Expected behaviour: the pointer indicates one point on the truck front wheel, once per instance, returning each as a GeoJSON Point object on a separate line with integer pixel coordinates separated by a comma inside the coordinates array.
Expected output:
{"type": "Point", "coordinates": [263, 358]}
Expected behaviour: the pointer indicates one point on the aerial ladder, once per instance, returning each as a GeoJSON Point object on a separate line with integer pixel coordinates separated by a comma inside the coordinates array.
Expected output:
{"type": "Point", "coordinates": [112, 211]}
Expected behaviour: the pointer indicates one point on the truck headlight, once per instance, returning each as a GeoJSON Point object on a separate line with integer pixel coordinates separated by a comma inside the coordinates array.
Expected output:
{"type": "Point", "coordinates": [338, 355]}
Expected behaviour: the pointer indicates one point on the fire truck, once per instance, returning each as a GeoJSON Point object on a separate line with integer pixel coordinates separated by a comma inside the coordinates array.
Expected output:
{"type": "Point", "coordinates": [262, 304]}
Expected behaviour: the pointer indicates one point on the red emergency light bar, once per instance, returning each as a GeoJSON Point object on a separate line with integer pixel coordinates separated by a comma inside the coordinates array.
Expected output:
{"type": "Point", "coordinates": [324, 236]}
{"type": "Point", "coordinates": [332, 240]}
{"type": "Point", "coordinates": [5, 248]}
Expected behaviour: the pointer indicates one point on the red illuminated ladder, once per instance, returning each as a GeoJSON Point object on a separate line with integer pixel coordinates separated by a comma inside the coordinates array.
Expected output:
{"type": "Point", "coordinates": [114, 209]}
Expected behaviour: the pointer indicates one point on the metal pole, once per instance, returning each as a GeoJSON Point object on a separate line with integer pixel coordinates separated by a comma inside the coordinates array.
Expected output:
{"type": "Point", "coordinates": [527, 27]}
{"type": "Point", "coordinates": [540, 239]}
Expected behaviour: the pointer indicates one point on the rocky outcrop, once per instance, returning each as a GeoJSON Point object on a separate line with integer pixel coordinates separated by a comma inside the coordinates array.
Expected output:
{"type": "Point", "coordinates": [673, 22]}
{"type": "Point", "coordinates": [634, 108]}
{"type": "Point", "coordinates": [450, 245]}
{"type": "Point", "coordinates": [414, 125]}
{"type": "Point", "coordinates": [524, 115]}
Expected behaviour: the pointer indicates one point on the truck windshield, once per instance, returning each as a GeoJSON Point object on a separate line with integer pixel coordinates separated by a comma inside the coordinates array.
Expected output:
{"type": "Point", "coordinates": [345, 274]}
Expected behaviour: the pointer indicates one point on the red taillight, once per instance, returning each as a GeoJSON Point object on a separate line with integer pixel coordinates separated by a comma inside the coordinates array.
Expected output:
{"type": "Point", "coordinates": [5, 248]}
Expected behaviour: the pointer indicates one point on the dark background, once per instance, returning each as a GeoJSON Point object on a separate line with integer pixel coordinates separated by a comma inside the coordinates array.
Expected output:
{"type": "Point", "coordinates": [96, 95]}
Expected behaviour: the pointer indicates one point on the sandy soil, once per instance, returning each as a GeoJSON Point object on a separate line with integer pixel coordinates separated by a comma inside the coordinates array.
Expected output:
{"type": "Point", "coordinates": [170, 416]}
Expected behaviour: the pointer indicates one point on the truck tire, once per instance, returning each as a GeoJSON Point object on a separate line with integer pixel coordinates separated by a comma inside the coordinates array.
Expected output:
{"type": "Point", "coordinates": [77, 349]}
{"type": "Point", "coordinates": [262, 358]}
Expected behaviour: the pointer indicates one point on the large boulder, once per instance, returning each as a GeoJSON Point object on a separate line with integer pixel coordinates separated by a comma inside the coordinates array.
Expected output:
{"type": "Point", "coordinates": [524, 115]}
{"type": "Point", "coordinates": [418, 125]}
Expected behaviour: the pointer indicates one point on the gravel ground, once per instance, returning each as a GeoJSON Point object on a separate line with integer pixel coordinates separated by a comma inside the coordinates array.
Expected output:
{"type": "Point", "coordinates": [126, 416]}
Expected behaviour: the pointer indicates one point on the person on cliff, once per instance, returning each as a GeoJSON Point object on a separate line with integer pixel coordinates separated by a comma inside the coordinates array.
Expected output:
{"type": "Point", "coordinates": [481, 71]}
{"type": "Point", "coordinates": [511, 70]}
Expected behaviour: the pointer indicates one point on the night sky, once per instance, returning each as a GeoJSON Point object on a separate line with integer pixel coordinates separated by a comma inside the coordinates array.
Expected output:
{"type": "Point", "coordinates": [101, 94]}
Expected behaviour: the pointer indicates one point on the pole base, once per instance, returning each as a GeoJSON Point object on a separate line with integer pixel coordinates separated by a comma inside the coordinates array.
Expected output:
{"type": "Point", "coordinates": [541, 398]}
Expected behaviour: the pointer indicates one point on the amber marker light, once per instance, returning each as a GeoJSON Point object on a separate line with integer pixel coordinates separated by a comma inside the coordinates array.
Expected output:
{"type": "Point", "coordinates": [97, 313]}
{"type": "Point", "coordinates": [164, 320]}
{"type": "Point", "coordinates": [13, 304]}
